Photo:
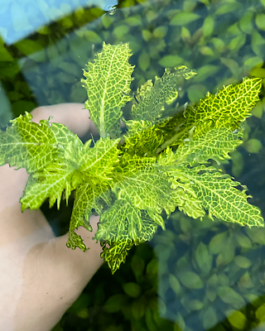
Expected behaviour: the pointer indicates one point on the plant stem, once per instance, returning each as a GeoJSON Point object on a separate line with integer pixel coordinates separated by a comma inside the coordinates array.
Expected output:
{"type": "Point", "coordinates": [170, 141]}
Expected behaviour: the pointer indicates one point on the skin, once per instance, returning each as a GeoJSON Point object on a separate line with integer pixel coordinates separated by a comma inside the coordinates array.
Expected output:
{"type": "Point", "coordinates": [40, 277]}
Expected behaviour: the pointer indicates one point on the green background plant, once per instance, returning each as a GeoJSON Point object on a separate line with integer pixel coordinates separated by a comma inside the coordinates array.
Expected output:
{"type": "Point", "coordinates": [225, 43]}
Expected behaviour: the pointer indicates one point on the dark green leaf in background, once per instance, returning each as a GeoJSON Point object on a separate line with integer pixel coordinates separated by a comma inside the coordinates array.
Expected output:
{"type": "Point", "coordinates": [184, 18]}
{"type": "Point", "coordinates": [203, 258]}
{"type": "Point", "coordinates": [132, 289]}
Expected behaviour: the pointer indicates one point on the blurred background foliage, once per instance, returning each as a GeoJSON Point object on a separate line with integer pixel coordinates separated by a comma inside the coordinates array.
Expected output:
{"type": "Point", "coordinates": [195, 275]}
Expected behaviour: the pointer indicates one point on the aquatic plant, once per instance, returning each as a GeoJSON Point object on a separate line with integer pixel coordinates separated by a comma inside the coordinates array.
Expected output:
{"type": "Point", "coordinates": [131, 179]}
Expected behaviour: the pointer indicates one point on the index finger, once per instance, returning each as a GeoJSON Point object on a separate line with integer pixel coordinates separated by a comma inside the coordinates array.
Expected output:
{"type": "Point", "coordinates": [72, 115]}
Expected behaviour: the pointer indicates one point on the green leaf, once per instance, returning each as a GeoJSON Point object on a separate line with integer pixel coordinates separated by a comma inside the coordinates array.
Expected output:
{"type": "Point", "coordinates": [180, 323]}
{"type": "Point", "coordinates": [253, 145]}
{"type": "Point", "coordinates": [243, 240]}
{"type": "Point", "coordinates": [152, 268]}
{"type": "Point", "coordinates": [203, 258]}
{"type": "Point", "coordinates": [92, 36]}
{"type": "Point", "coordinates": [245, 281]}
{"type": "Point", "coordinates": [78, 94]}
{"type": "Point", "coordinates": [119, 31]}
{"type": "Point", "coordinates": [67, 78]}
{"type": "Point", "coordinates": [236, 319]}
{"type": "Point", "coordinates": [147, 189]}
{"type": "Point", "coordinates": [232, 65]}
{"type": "Point", "coordinates": [215, 145]}
{"type": "Point", "coordinates": [33, 146]}
{"type": "Point", "coordinates": [190, 280]}
{"type": "Point", "coordinates": [174, 283]}
{"type": "Point", "coordinates": [5, 55]}
{"type": "Point", "coordinates": [92, 180]}
{"type": "Point", "coordinates": [260, 21]}
{"type": "Point", "coordinates": [195, 305]}
{"type": "Point", "coordinates": [106, 21]}
{"type": "Point", "coordinates": [160, 31]}
{"type": "Point", "coordinates": [149, 320]}
{"type": "Point", "coordinates": [138, 308]}
{"type": "Point", "coordinates": [245, 22]}
{"type": "Point", "coordinates": [258, 72]}
{"type": "Point", "coordinates": [123, 222]}
{"type": "Point", "coordinates": [257, 43]}
{"type": "Point", "coordinates": [196, 92]}
{"type": "Point", "coordinates": [223, 279]}
{"type": "Point", "coordinates": [260, 313]}
{"type": "Point", "coordinates": [227, 254]}
{"type": "Point", "coordinates": [219, 196]}
{"type": "Point", "coordinates": [229, 7]}
{"type": "Point", "coordinates": [236, 43]}
{"type": "Point", "coordinates": [132, 289]}
{"type": "Point", "coordinates": [228, 295]}
{"type": "Point", "coordinates": [228, 108]}
{"type": "Point", "coordinates": [147, 35]}
{"type": "Point", "coordinates": [98, 163]}
{"type": "Point", "coordinates": [185, 34]}
{"type": "Point", "coordinates": [48, 184]}
{"type": "Point", "coordinates": [205, 50]}
{"type": "Point", "coordinates": [209, 318]}
{"type": "Point", "coordinates": [256, 235]}
{"type": "Point", "coordinates": [28, 46]}
{"type": "Point", "coordinates": [143, 138]}
{"type": "Point", "coordinates": [21, 106]}
{"type": "Point", "coordinates": [184, 18]}
{"type": "Point", "coordinates": [144, 60]}
{"type": "Point", "coordinates": [217, 242]}
{"type": "Point", "coordinates": [80, 216]}
{"type": "Point", "coordinates": [206, 71]}
{"type": "Point", "coordinates": [233, 30]}
{"type": "Point", "coordinates": [9, 69]}
{"type": "Point", "coordinates": [134, 20]}
{"type": "Point", "coordinates": [115, 254]}
{"type": "Point", "coordinates": [242, 261]}
{"type": "Point", "coordinates": [219, 44]}
{"type": "Point", "coordinates": [115, 303]}
{"type": "Point", "coordinates": [138, 265]}
{"type": "Point", "coordinates": [107, 83]}
{"type": "Point", "coordinates": [155, 96]}
{"type": "Point", "coordinates": [69, 67]}
{"type": "Point", "coordinates": [86, 198]}
{"type": "Point", "coordinates": [170, 61]}
{"type": "Point", "coordinates": [208, 26]}
{"type": "Point", "coordinates": [189, 204]}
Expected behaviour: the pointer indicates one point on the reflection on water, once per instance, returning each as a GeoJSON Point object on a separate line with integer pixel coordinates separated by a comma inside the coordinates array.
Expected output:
{"type": "Point", "coordinates": [20, 19]}
{"type": "Point", "coordinates": [208, 270]}
{"type": "Point", "coordinates": [210, 274]}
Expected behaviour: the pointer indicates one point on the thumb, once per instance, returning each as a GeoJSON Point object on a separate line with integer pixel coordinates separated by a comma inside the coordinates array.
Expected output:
{"type": "Point", "coordinates": [84, 264]}
{"type": "Point", "coordinates": [53, 278]}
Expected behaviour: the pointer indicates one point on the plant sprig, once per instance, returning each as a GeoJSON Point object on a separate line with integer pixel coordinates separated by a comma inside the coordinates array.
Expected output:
{"type": "Point", "coordinates": [160, 164]}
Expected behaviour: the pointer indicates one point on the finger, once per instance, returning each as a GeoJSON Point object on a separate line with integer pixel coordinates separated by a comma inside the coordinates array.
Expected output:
{"type": "Point", "coordinates": [72, 115]}
{"type": "Point", "coordinates": [85, 262]}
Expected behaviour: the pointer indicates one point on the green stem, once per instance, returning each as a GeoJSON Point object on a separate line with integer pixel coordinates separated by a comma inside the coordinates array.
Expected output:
{"type": "Point", "coordinates": [170, 141]}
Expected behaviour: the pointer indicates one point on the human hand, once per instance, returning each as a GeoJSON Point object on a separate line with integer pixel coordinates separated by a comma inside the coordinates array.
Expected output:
{"type": "Point", "coordinates": [40, 277]}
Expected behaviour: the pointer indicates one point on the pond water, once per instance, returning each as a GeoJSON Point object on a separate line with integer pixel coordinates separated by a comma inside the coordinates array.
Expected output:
{"type": "Point", "coordinates": [195, 275]}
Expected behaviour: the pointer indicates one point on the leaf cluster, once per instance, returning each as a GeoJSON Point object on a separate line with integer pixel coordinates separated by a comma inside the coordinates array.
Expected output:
{"type": "Point", "coordinates": [160, 164]}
